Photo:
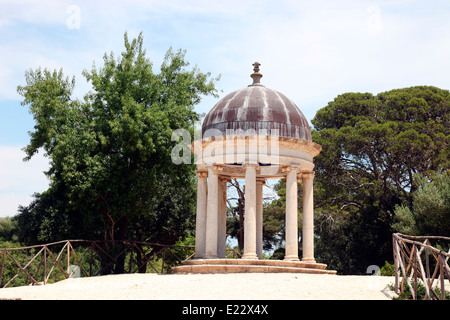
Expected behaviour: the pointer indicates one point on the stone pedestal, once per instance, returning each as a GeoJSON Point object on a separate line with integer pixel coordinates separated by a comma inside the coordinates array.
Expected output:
{"type": "Point", "coordinates": [248, 265]}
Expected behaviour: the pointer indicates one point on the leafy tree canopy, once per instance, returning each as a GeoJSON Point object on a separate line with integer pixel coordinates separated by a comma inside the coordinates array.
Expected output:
{"type": "Point", "coordinates": [385, 139]}
{"type": "Point", "coordinates": [373, 146]}
{"type": "Point", "coordinates": [431, 207]}
{"type": "Point", "coordinates": [110, 155]}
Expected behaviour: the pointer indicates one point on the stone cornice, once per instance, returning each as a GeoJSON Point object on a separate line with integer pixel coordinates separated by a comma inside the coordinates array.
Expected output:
{"type": "Point", "coordinates": [244, 140]}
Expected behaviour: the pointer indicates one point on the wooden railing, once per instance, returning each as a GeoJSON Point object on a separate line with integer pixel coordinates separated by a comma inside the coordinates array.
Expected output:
{"type": "Point", "coordinates": [40, 264]}
{"type": "Point", "coordinates": [414, 258]}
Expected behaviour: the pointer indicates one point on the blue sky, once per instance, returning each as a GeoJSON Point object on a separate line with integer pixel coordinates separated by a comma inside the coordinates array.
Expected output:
{"type": "Point", "coordinates": [309, 50]}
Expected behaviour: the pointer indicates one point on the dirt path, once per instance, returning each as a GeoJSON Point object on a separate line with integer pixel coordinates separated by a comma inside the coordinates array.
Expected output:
{"type": "Point", "coordinates": [237, 286]}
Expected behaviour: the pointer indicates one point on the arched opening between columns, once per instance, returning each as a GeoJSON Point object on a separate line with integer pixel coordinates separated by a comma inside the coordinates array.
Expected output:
{"type": "Point", "coordinates": [211, 230]}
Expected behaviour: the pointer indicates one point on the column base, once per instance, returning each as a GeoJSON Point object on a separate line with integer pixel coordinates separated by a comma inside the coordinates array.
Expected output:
{"type": "Point", "coordinates": [291, 258]}
{"type": "Point", "coordinates": [311, 260]}
{"type": "Point", "coordinates": [250, 256]}
{"type": "Point", "coordinates": [210, 257]}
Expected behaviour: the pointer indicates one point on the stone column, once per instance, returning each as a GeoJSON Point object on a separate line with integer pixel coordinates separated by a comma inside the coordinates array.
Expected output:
{"type": "Point", "coordinates": [308, 218]}
{"type": "Point", "coordinates": [222, 227]}
{"type": "Point", "coordinates": [212, 214]}
{"type": "Point", "coordinates": [259, 217]}
{"type": "Point", "coordinates": [250, 212]}
{"type": "Point", "coordinates": [200, 219]}
{"type": "Point", "coordinates": [291, 215]}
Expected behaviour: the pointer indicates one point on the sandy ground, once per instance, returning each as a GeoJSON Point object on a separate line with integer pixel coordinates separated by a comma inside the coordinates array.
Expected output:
{"type": "Point", "coordinates": [238, 286]}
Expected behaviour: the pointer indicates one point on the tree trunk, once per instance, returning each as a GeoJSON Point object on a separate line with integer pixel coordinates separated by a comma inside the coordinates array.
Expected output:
{"type": "Point", "coordinates": [122, 225]}
{"type": "Point", "coordinates": [241, 224]}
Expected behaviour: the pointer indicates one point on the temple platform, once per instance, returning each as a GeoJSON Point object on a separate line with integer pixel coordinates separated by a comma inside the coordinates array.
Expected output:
{"type": "Point", "coordinates": [250, 266]}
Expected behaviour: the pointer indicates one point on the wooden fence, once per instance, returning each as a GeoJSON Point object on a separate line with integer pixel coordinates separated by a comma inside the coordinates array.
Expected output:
{"type": "Point", "coordinates": [414, 258]}
{"type": "Point", "coordinates": [39, 264]}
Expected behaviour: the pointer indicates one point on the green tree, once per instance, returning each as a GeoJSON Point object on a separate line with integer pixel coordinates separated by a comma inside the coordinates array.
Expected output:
{"type": "Point", "coordinates": [431, 207]}
{"type": "Point", "coordinates": [8, 229]}
{"type": "Point", "coordinates": [273, 215]}
{"type": "Point", "coordinates": [46, 219]}
{"type": "Point", "coordinates": [372, 148]}
{"type": "Point", "coordinates": [111, 170]}
{"type": "Point", "coordinates": [235, 216]}
{"type": "Point", "coordinates": [274, 219]}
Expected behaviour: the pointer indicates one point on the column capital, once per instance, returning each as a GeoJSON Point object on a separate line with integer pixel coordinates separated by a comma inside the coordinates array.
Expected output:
{"type": "Point", "coordinates": [201, 174]}
{"type": "Point", "coordinates": [291, 168]}
{"type": "Point", "coordinates": [213, 167]}
{"type": "Point", "coordinates": [259, 181]}
{"type": "Point", "coordinates": [308, 175]}
{"type": "Point", "coordinates": [224, 179]}
{"type": "Point", "coordinates": [250, 164]}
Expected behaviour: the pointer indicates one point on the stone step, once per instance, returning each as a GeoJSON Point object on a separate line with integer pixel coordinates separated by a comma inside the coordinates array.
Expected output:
{"type": "Point", "coordinates": [212, 268]}
{"type": "Point", "coordinates": [275, 263]}
{"type": "Point", "coordinates": [251, 266]}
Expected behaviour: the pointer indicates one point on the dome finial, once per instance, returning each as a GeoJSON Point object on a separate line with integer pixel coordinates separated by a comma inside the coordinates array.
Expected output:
{"type": "Point", "coordinates": [256, 76]}
{"type": "Point", "coordinates": [256, 66]}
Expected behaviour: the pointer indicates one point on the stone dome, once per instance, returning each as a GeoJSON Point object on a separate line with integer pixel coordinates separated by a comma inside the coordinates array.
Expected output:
{"type": "Point", "coordinates": [258, 108]}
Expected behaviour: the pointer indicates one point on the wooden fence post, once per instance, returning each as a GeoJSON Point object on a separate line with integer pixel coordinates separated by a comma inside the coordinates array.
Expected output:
{"type": "Point", "coordinates": [45, 266]}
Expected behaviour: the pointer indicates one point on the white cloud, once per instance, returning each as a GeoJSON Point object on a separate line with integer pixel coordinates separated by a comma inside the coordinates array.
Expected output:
{"type": "Point", "coordinates": [323, 46]}
{"type": "Point", "coordinates": [36, 12]}
{"type": "Point", "coordinates": [19, 180]}
{"type": "Point", "coordinates": [326, 48]}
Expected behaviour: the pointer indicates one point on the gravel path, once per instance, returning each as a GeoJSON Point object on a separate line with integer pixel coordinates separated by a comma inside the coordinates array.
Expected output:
{"type": "Point", "coordinates": [238, 286]}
